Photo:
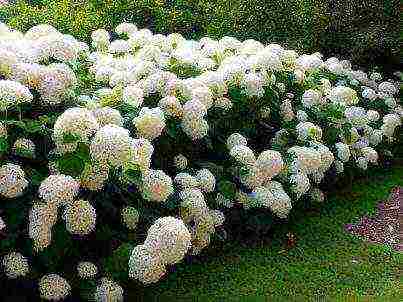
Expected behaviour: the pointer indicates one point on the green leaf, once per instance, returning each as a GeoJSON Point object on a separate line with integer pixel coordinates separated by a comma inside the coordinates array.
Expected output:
{"type": "Point", "coordinates": [3, 145]}
{"type": "Point", "coordinates": [132, 174]}
{"type": "Point", "coordinates": [70, 138]}
{"type": "Point", "coordinates": [227, 188]}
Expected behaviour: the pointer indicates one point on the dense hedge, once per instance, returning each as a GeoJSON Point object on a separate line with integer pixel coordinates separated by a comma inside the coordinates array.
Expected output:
{"type": "Point", "coordinates": [366, 32]}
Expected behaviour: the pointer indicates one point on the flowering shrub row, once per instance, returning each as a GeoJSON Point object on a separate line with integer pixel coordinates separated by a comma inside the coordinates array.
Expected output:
{"type": "Point", "coordinates": [146, 140]}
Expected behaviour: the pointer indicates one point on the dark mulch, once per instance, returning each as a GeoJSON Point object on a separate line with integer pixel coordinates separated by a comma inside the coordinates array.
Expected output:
{"type": "Point", "coordinates": [384, 226]}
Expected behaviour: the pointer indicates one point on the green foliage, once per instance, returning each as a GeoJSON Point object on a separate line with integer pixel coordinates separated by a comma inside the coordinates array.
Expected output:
{"type": "Point", "coordinates": [117, 264]}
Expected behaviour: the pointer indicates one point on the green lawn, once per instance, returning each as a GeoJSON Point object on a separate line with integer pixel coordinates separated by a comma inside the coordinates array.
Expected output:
{"type": "Point", "coordinates": [326, 265]}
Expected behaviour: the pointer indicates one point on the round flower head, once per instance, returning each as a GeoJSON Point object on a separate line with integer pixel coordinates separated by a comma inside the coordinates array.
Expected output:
{"type": "Point", "coordinates": [125, 28]}
{"type": "Point", "coordinates": [130, 217]}
{"type": "Point", "coordinates": [387, 88]}
{"type": "Point", "coordinates": [12, 181]}
{"type": "Point", "coordinates": [194, 109]}
{"type": "Point", "coordinates": [59, 189]}
{"type": "Point", "coordinates": [13, 94]}
{"type": "Point", "coordinates": [157, 186]}
{"type": "Point", "coordinates": [107, 115]}
{"type": "Point", "coordinates": [145, 266]}
{"type": "Point", "coordinates": [168, 238]}
{"type": "Point", "coordinates": [133, 95]}
{"type": "Point", "coordinates": [100, 39]}
{"type": "Point", "coordinates": [243, 155]}
{"type": "Point", "coordinates": [180, 162]}
{"type": "Point", "coordinates": [236, 139]}
{"type": "Point", "coordinates": [343, 95]}
{"type": "Point", "coordinates": [141, 152]}
{"type": "Point", "coordinates": [270, 163]}
{"type": "Point", "coordinates": [186, 181]}
{"type": "Point", "coordinates": [42, 217]}
{"type": "Point", "coordinates": [108, 290]}
{"type": "Point", "coordinates": [40, 30]}
{"type": "Point", "coordinates": [87, 270]}
{"type": "Point", "coordinates": [206, 180]}
{"type": "Point", "coordinates": [310, 98]}
{"type": "Point", "coordinates": [281, 204]}
{"type": "Point", "coordinates": [111, 145]}
{"type": "Point", "coordinates": [317, 195]}
{"type": "Point", "coordinates": [150, 122]}
{"type": "Point", "coordinates": [77, 124]}
{"type": "Point", "coordinates": [171, 106]}
{"type": "Point", "coordinates": [343, 152]}
{"type": "Point", "coordinates": [300, 184]}
{"type": "Point", "coordinates": [80, 217]}
{"type": "Point", "coordinates": [52, 287]}
{"type": "Point", "coordinates": [15, 265]}
{"type": "Point", "coordinates": [308, 130]}
{"type": "Point", "coordinates": [24, 147]}
{"type": "Point", "coordinates": [195, 128]}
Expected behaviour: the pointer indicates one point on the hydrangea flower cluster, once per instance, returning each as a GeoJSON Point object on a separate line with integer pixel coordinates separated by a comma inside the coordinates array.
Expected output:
{"type": "Point", "coordinates": [167, 242]}
{"type": "Point", "coordinates": [260, 125]}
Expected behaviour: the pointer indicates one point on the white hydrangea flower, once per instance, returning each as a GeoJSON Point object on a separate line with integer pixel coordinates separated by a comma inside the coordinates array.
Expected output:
{"type": "Point", "coordinates": [108, 290]}
{"type": "Point", "coordinates": [362, 162]}
{"type": "Point", "coordinates": [195, 128]}
{"type": "Point", "coordinates": [59, 189]}
{"type": "Point", "coordinates": [141, 152]}
{"type": "Point", "coordinates": [126, 28]}
{"type": "Point", "coordinates": [308, 130]}
{"type": "Point", "coordinates": [310, 98]}
{"type": "Point", "coordinates": [373, 115]}
{"type": "Point", "coordinates": [270, 163]}
{"type": "Point", "coordinates": [343, 95]}
{"type": "Point", "coordinates": [339, 166]}
{"type": "Point", "coordinates": [369, 93]}
{"type": "Point", "coordinates": [370, 154]}
{"type": "Point", "coordinates": [243, 155]}
{"type": "Point", "coordinates": [15, 265]}
{"type": "Point", "coordinates": [299, 183]}
{"type": "Point", "coordinates": [180, 162]}
{"type": "Point", "coordinates": [133, 95]}
{"type": "Point", "coordinates": [206, 180]}
{"type": "Point", "coordinates": [12, 181]}
{"type": "Point", "coordinates": [357, 116]}
{"type": "Point", "coordinates": [194, 109]}
{"type": "Point", "coordinates": [145, 266]}
{"type": "Point", "coordinates": [281, 205]}
{"type": "Point", "coordinates": [375, 138]}
{"type": "Point", "coordinates": [171, 106]}
{"type": "Point", "coordinates": [150, 122]}
{"type": "Point", "coordinates": [157, 186]}
{"type": "Point", "coordinates": [343, 152]}
{"type": "Point", "coordinates": [42, 217]}
{"type": "Point", "coordinates": [80, 217]}
{"type": "Point", "coordinates": [236, 139]}
{"type": "Point", "coordinates": [302, 116]}
{"type": "Point", "coordinates": [375, 76]}
{"type": "Point", "coordinates": [168, 238]}
{"type": "Point", "coordinates": [186, 181]}
{"type": "Point", "coordinates": [390, 123]}
{"type": "Point", "coordinates": [87, 270]}
{"type": "Point", "coordinates": [130, 217]}
{"type": "Point", "coordinates": [107, 115]}
{"type": "Point", "coordinates": [111, 145]}
{"type": "Point", "coordinates": [53, 287]}
{"type": "Point", "coordinates": [13, 94]}
{"type": "Point", "coordinates": [100, 39]}
{"type": "Point", "coordinates": [24, 147]}
{"type": "Point", "coordinates": [387, 88]}
{"type": "Point", "coordinates": [76, 122]}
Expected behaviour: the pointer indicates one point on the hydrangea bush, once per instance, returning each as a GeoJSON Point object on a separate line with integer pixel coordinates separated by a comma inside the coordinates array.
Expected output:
{"type": "Point", "coordinates": [119, 158]}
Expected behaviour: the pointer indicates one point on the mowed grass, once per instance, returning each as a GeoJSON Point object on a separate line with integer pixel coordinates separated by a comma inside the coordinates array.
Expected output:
{"type": "Point", "coordinates": [327, 264]}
